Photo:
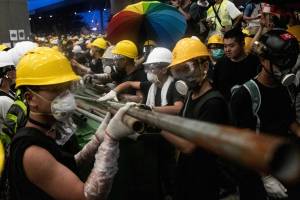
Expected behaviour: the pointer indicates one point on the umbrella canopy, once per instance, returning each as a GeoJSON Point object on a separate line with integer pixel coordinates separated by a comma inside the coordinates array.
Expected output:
{"type": "Point", "coordinates": [147, 20]}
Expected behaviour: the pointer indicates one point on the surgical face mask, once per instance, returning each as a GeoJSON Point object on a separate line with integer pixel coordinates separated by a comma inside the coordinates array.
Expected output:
{"type": "Point", "coordinates": [152, 77]}
{"type": "Point", "coordinates": [217, 54]}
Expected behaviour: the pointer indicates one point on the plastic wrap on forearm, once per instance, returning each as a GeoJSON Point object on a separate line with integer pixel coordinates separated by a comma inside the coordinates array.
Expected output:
{"type": "Point", "coordinates": [88, 151]}
{"type": "Point", "coordinates": [101, 178]}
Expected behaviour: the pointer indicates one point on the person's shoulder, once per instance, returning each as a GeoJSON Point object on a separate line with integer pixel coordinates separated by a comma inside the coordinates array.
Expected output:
{"type": "Point", "coordinates": [223, 62]}
{"type": "Point", "coordinates": [229, 3]}
{"type": "Point", "coordinates": [240, 93]}
{"type": "Point", "coordinates": [252, 57]}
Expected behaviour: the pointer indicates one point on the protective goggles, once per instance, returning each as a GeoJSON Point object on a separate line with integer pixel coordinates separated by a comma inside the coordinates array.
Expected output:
{"type": "Point", "coordinates": [184, 70]}
{"type": "Point", "coordinates": [154, 67]}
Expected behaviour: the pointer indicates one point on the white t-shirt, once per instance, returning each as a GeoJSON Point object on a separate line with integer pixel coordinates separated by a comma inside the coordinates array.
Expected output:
{"type": "Point", "coordinates": [233, 11]}
{"type": "Point", "coordinates": [5, 104]}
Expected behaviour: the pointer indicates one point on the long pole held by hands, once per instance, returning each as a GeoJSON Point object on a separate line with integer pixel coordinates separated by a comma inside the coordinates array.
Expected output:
{"type": "Point", "coordinates": [261, 152]}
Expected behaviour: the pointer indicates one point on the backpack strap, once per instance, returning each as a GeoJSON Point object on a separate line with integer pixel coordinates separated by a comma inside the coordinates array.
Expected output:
{"type": "Point", "coordinates": [254, 92]}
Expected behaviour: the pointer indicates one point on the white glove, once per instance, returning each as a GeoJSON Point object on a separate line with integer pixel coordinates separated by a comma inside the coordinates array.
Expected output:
{"type": "Point", "coordinates": [101, 129]}
{"type": "Point", "coordinates": [274, 188]}
{"type": "Point", "coordinates": [88, 78]}
{"type": "Point", "coordinates": [116, 129]}
{"type": "Point", "coordinates": [109, 96]}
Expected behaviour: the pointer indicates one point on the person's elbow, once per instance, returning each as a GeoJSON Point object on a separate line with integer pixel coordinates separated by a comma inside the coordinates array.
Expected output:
{"type": "Point", "coordinates": [178, 107]}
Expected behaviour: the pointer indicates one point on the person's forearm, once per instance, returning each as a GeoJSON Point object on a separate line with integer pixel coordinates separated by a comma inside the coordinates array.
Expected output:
{"type": "Point", "coordinates": [99, 182]}
{"type": "Point", "coordinates": [181, 144]}
{"type": "Point", "coordinates": [295, 128]}
{"type": "Point", "coordinates": [172, 110]}
{"type": "Point", "coordinates": [122, 87]}
{"type": "Point", "coordinates": [88, 151]}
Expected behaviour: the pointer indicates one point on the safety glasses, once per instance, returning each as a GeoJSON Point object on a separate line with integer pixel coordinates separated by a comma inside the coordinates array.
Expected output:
{"type": "Point", "coordinates": [184, 70]}
{"type": "Point", "coordinates": [153, 67]}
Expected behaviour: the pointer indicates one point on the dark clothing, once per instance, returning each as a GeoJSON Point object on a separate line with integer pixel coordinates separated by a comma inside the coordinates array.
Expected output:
{"type": "Point", "coordinates": [276, 112]}
{"type": "Point", "coordinates": [138, 75]}
{"type": "Point", "coordinates": [198, 176]}
{"type": "Point", "coordinates": [20, 187]}
{"type": "Point", "coordinates": [96, 66]}
{"type": "Point", "coordinates": [276, 115]}
{"type": "Point", "coordinates": [146, 168]}
{"type": "Point", "coordinates": [228, 73]}
{"type": "Point", "coordinates": [172, 94]}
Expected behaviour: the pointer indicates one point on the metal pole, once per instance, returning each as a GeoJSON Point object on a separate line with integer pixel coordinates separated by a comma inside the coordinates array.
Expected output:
{"type": "Point", "coordinates": [262, 152]}
{"type": "Point", "coordinates": [137, 125]}
{"type": "Point", "coordinates": [90, 115]}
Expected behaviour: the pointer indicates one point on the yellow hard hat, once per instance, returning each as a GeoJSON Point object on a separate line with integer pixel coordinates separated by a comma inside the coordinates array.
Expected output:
{"type": "Point", "coordinates": [149, 43]}
{"type": "Point", "coordinates": [187, 49]}
{"type": "Point", "coordinates": [295, 30]}
{"type": "Point", "coordinates": [44, 66]}
{"type": "Point", "coordinates": [55, 48]}
{"type": "Point", "coordinates": [3, 47]}
{"type": "Point", "coordinates": [2, 157]}
{"type": "Point", "coordinates": [126, 48]}
{"type": "Point", "coordinates": [215, 39]}
{"type": "Point", "coordinates": [248, 41]}
{"type": "Point", "coordinates": [100, 43]}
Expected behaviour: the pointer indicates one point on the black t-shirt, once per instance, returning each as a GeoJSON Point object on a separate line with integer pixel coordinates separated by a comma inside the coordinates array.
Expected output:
{"type": "Point", "coordinates": [20, 187]}
{"type": "Point", "coordinates": [198, 174]}
{"type": "Point", "coordinates": [172, 94]}
{"type": "Point", "coordinates": [138, 75]}
{"type": "Point", "coordinates": [228, 73]}
{"type": "Point", "coordinates": [96, 66]}
{"type": "Point", "coordinates": [276, 112]}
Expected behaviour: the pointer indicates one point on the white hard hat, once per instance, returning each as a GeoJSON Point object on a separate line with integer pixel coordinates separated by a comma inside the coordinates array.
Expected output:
{"type": "Point", "coordinates": [20, 49]}
{"type": "Point", "coordinates": [107, 53]}
{"type": "Point", "coordinates": [5, 59]}
{"type": "Point", "coordinates": [159, 55]}
{"type": "Point", "coordinates": [77, 49]}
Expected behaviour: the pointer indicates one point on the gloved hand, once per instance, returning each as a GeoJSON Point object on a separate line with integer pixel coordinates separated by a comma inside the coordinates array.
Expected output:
{"type": "Point", "coordinates": [145, 107]}
{"type": "Point", "coordinates": [88, 78]}
{"type": "Point", "coordinates": [101, 78]}
{"type": "Point", "coordinates": [116, 128]}
{"type": "Point", "coordinates": [101, 129]}
{"type": "Point", "coordinates": [109, 96]}
{"type": "Point", "coordinates": [274, 188]}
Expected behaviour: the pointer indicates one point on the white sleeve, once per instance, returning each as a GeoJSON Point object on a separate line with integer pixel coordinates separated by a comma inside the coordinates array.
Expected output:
{"type": "Point", "coordinates": [5, 104]}
{"type": "Point", "coordinates": [233, 10]}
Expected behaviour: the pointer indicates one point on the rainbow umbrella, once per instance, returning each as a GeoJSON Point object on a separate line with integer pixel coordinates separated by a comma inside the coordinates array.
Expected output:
{"type": "Point", "coordinates": [147, 20]}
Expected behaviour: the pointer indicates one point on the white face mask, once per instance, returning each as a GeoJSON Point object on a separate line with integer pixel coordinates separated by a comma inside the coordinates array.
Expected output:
{"type": "Point", "coordinates": [152, 77]}
{"type": "Point", "coordinates": [62, 108]}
